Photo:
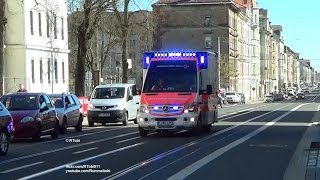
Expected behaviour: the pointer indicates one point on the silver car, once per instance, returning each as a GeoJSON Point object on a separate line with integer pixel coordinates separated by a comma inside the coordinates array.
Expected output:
{"type": "Point", "coordinates": [68, 109]}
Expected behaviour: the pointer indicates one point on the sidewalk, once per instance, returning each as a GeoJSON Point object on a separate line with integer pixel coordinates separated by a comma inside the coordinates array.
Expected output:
{"type": "Point", "coordinates": [305, 162]}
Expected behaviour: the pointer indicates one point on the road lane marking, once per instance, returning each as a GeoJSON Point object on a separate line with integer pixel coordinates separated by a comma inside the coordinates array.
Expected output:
{"type": "Point", "coordinates": [78, 152]}
{"type": "Point", "coordinates": [180, 148]}
{"type": "Point", "coordinates": [184, 173]}
{"type": "Point", "coordinates": [261, 123]}
{"type": "Point", "coordinates": [64, 148]}
{"type": "Point", "coordinates": [270, 123]}
{"type": "Point", "coordinates": [22, 167]}
{"type": "Point", "coordinates": [64, 138]}
{"type": "Point", "coordinates": [79, 161]}
{"type": "Point", "coordinates": [236, 112]}
{"type": "Point", "coordinates": [126, 140]}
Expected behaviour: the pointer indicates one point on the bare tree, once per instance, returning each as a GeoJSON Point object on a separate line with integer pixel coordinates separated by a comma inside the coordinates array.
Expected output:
{"type": "Point", "coordinates": [123, 22]}
{"type": "Point", "coordinates": [92, 10]}
{"type": "Point", "coordinates": [3, 21]}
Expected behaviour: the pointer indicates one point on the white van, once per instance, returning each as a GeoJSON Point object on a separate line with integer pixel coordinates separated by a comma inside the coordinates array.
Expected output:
{"type": "Point", "coordinates": [113, 103]}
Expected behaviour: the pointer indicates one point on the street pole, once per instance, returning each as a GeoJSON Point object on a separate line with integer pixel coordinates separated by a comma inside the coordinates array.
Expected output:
{"type": "Point", "coordinates": [218, 62]}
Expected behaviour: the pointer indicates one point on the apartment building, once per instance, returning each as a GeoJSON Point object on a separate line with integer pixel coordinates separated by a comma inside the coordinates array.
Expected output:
{"type": "Point", "coordinates": [36, 46]}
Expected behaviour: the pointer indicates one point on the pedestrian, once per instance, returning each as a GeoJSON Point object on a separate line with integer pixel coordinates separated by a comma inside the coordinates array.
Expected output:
{"type": "Point", "coordinates": [21, 88]}
{"type": "Point", "coordinates": [220, 100]}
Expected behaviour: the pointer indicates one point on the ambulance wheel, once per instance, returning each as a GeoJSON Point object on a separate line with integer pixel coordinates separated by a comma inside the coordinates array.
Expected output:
{"type": "Point", "coordinates": [142, 132]}
{"type": "Point", "coordinates": [207, 128]}
{"type": "Point", "coordinates": [198, 129]}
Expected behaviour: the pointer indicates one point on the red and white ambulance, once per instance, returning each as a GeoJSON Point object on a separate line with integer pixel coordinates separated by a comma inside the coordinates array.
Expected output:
{"type": "Point", "coordinates": [179, 92]}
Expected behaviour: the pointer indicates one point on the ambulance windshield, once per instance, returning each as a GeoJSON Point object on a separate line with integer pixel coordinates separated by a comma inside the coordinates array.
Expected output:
{"type": "Point", "coordinates": [171, 76]}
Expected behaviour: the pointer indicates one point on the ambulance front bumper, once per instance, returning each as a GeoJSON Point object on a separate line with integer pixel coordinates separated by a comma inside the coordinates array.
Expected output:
{"type": "Point", "coordinates": [185, 121]}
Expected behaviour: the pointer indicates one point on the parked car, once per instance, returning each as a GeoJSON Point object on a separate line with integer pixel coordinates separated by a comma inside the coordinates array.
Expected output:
{"type": "Point", "coordinates": [233, 97]}
{"type": "Point", "coordinates": [113, 103]}
{"type": "Point", "coordinates": [68, 109]}
{"type": "Point", "coordinates": [278, 97]}
{"type": "Point", "coordinates": [6, 129]}
{"type": "Point", "coordinates": [300, 96]}
{"type": "Point", "coordinates": [33, 115]}
{"type": "Point", "coordinates": [242, 98]}
{"type": "Point", "coordinates": [269, 98]}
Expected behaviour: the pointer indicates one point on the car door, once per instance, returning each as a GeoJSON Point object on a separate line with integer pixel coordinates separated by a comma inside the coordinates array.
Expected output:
{"type": "Point", "coordinates": [76, 108]}
{"type": "Point", "coordinates": [129, 101]}
{"type": "Point", "coordinates": [52, 115]}
{"type": "Point", "coordinates": [71, 109]}
{"type": "Point", "coordinates": [136, 99]}
{"type": "Point", "coordinates": [44, 111]}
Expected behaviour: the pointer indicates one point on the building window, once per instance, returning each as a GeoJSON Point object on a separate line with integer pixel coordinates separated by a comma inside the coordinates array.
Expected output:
{"type": "Point", "coordinates": [32, 71]}
{"type": "Point", "coordinates": [31, 22]}
{"type": "Point", "coordinates": [63, 77]}
{"type": "Point", "coordinates": [39, 19]}
{"type": "Point", "coordinates": [208, 42]}
{"type": "Point", "coordinates": [62, 28]}
{"type": "Point", "coordinates": [56, 70]}
{"type": "Point", "coordinates": [48, 25]}
{"type": "Point", "coordinates": [207, 21]}
{"type": "Point", "coordinates": [41, 71]}
{"type": "Point", "coordinates": [49, 71]}
{"type": "Point", "coordinates": [55, 27]}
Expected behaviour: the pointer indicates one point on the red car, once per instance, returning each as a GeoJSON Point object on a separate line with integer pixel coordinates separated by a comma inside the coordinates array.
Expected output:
{"type": "Point", "coordinates": [33, 115]}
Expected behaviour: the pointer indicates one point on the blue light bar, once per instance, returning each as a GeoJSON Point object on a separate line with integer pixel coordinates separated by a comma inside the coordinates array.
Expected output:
{"type": "Point", "coordinates": [201, 56]}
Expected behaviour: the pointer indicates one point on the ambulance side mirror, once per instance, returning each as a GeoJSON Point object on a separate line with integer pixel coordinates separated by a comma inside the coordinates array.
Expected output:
{"type": "Point", "coordinates": [207, 91]}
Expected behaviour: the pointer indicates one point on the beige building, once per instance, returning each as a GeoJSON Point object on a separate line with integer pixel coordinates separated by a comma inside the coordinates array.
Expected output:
{"type": "Point", "coordinates": [36, 46]}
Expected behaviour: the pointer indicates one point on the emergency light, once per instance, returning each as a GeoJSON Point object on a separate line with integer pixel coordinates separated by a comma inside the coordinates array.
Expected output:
{"type": "Point", "coordinates": [201, 56]}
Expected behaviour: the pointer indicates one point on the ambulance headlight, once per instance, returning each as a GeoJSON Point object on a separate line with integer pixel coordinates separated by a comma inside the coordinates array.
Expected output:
{"type": "Point", "coordinates": [143, 108]}
{"type": "Point", "coordinates": [190, 108]}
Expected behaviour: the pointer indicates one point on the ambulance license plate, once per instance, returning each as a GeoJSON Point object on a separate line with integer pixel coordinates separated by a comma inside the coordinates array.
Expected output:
{"type": "Point", "coordinates": [165, 124]}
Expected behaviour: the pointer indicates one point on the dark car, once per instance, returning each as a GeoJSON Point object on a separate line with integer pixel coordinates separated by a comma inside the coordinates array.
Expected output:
{"type": "Point", "coordinates": [33, 115]}
{"type": "Point", "coordinates": [68, 109]}
{"type": "Point", "coordinates": [300, 96]}
{"type": "Point", "coordinates": [6, 129]}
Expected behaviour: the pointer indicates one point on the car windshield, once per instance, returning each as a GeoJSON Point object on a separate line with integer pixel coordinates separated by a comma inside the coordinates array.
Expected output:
{"type": "Point", "coordinates": [57, 101]}
{"type": "Point", "coordinates": [108, 93]}
{"type": "Point", "coordinates": [21, 102]}
{"type": "Point", "coordinates": [230, 94]}
{"type": "Point", "coordinates": [166, 76]}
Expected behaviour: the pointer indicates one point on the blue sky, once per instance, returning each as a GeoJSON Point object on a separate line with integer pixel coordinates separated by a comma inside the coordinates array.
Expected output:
{"type": "Point", "coordinates": [299, 20]}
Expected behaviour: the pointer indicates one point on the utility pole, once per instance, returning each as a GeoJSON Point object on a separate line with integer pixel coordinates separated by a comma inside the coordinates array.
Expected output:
{"type": "Point", "coordinates": [218, 63]}
{"type": "Point", "coordinates": [2, 30]}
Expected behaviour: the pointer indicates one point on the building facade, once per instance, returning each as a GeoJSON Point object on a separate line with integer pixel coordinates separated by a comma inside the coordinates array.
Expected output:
{"type": "Point", "coordinates": [36, 46]}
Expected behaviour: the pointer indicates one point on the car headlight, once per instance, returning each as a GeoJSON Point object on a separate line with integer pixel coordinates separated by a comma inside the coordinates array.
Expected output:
{"type": "Point", "coordinates": [120, 105]}
{"type": "Point", "coordinates": [190, 108]}
{"type": "Point", "coordinates": [90, 105]}
{"type": "Point", "coordinates": [143, 108]}
{"type": "Point", "coordinates": [27, 119]}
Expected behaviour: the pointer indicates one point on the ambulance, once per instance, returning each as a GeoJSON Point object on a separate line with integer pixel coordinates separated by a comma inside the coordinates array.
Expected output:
{"type": "Point", "coordinates": [179, 92]}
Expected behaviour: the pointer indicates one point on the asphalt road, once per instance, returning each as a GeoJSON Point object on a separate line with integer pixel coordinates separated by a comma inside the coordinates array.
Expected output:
{"type": "Point", "coordinates": [251, 141]}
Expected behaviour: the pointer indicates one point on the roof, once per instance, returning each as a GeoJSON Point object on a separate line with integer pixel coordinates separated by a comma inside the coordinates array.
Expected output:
{"type": "Point", "coordinates": [115, 85]}
{"type": "Point", "coordinates": [25, 93]}
{"type": "Point", "coordinates": [191, 2]}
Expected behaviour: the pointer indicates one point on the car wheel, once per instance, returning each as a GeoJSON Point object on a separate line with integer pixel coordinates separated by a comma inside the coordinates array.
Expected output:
{"type": "Point", "coordinates": [78, 127]}
{"type": "Point", "coordinates": [125, 122]}
{"type": "Point", "coordinates": [142, 132]}
{"type": "Point", "coordinates": [64, 126]}
{"type": "Point", "coordinates": [37, 135]}
{"type": "Point", "coordinates": [136, 119]}
{"type": "Point", "coordinates": [55, 133]}
{"type": "Point", "coordinates": [91, 124]}
{"type": "Point", "coordinates": [4, 142]}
